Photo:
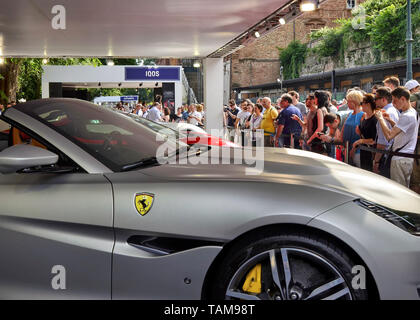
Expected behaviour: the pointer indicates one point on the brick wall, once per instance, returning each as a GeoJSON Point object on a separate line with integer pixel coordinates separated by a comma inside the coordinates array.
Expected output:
{"type": "Point", "coordinates": [258, 62]}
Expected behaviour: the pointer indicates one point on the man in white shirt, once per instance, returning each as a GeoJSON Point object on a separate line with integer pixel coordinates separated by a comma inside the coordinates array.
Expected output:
{"type": "Point", "coordinates": [242, 115]}
{"type": "Point", "coordinates": [404, 132]}
{"type": "Point", "coordinates": [242, 118]}
{"type": "Point", "coordinates": [138, 110]}
{"type": "Point", "coordinates": [155, 113]}
{"type": "Point", "coordinates": [194, 117]}
{"type": "Point", "coordinates": [383, 100]}
{"type": "Point", "coordinates": [145, 111]}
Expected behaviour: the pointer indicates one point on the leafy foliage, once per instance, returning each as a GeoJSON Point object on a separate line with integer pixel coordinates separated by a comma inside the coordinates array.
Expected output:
{"type": "Point", "coordinates": [292, 58]}
{"type": "Point", "coordinates": [332, 44]}
{"type": "Point", "coordinates": [29, 79]}
{"type": "Point", "coordinates": [385, 27]}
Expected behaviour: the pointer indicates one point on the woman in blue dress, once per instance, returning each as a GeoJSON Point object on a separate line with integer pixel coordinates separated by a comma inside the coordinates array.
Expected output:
{"type": "Point", "coordinates": [354, 101]}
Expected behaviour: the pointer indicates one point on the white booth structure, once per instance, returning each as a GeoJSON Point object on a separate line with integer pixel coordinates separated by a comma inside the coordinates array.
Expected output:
{"type": "Point", "coordinates": [169, 78]}
{"type": "Point", "coordinates": [166, 78]}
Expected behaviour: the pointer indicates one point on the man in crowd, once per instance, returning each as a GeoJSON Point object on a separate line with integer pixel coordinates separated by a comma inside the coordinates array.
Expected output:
{"type": "Point", "coordinates": [413, 86]}
{"type": "Point", "coordinates": [302, 108]}
{"type": "Point", "coordinates": [185, 112]}
{"type": "Point", "coordinates": [392, 83]}
{"type": "Point", "coordinates": [267, 123]}
{"type": "Point", "coordinates": [331, 106]}
{"type": "Point", "coordinates": [145, 111]}
{"type": "Point", "coordinates": [404, 132]}
{"type": "Point", "coordinates": [231, 114]}
{"type": "Point", "coordinates": [383, 100]}
{"type": "Point", "coordinates": [415, 178]}
{"type": "Point", "coordinates": [415, 101]}
{"type": "Point", "coordinates": [155, 113]}
{"type": "Point", "coordinates": [138, 110]}
{"type": "Point", "coordinates": [374, 88]}
{"type": "Point", "coordinates": [334, 123]}
{"type": "Point", "coordinates": [286, 126]}
{"type": "Point", "coordinates": [242, 117]}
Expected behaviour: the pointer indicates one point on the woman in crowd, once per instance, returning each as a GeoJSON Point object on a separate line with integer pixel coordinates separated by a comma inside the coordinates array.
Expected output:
{"type": "Point", "coordinates": [367, 131]}
{"type": "Point", "coordinates": [194, 117]}
{"type": "Point", "coordinates": [177, 117]}
{"type": "Point", "coordinates": [255, 123]}
{"type": "Point", "coordinates": [307, 126]}
{"type": "Point", "coordinates": [318, 108]}
{"type": "Point", "coordinates": [166, 114]}
{"type": "Point", "coordinates": [322, 100]}
{"type": "Point", "coordinates": [200, 110]}
{"type": "Point", "coordinates": [354, 101]}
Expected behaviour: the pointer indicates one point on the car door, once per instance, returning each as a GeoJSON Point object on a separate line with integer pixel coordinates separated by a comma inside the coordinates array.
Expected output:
{"type": "Point", "coordinates": [56, 234]}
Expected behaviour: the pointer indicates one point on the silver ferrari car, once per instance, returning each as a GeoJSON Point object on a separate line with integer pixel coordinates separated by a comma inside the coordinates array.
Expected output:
{"type": "Point", "coordinates": [88, 211]}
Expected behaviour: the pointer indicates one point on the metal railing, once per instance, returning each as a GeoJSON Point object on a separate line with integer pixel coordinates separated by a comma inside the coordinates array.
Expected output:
{"type": "Point", "coordinates": [189, 92]}
{"type": "Point", "coordinates": [246, 134]}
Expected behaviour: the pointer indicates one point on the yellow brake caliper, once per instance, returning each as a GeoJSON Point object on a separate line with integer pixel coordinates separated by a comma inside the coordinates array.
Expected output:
{"type": "Point", "coordinates": [253, 280]}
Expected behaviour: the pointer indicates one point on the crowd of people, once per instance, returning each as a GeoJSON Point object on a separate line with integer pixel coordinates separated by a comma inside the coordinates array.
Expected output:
{"type": "Point", "coordinates": [375, 131]}
{"type": "Point", "coordinates": [193, 113]}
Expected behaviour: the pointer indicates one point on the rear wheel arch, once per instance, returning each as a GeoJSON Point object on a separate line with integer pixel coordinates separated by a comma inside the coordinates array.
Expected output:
{"type": "Point", "coordinates": [285, 229]}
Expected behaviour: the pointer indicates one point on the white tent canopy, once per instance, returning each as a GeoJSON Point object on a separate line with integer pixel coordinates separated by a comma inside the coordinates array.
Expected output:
{"type": "Point", "coordinates": [126, 28]}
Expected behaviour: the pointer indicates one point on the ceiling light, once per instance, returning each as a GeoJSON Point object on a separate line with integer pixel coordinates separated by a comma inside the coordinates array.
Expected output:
{"type": "Point", "coordinates": [308, 5]}
{"type": "Point", "coordinates": [257, 34]}
{"type": "Point", "coordinates": [1, 60]}
{"type": "Point", "coordinates": [282, 21]}
{"type": "Point", "coordinates": [110, 62]}
{"type": "Point", "coordinates": [197, 64]}
{"type": "Point", "coordinates": [44, 61]}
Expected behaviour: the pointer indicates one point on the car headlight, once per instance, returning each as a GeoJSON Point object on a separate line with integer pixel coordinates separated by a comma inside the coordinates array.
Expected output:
{"type": "Point", "coordinates": [408, 221]}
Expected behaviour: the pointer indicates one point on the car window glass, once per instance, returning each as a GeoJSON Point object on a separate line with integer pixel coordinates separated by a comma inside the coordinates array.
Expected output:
{"type": "Point", "coordinates": [113, 138]}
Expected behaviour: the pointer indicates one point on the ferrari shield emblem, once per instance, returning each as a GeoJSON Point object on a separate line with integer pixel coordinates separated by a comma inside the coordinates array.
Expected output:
{"type": "Point", "coordinates": [144, 202]}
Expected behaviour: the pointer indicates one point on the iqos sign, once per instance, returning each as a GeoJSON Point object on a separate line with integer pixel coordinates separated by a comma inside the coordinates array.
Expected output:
{"type": "Point", "coordinates": [152, 73]}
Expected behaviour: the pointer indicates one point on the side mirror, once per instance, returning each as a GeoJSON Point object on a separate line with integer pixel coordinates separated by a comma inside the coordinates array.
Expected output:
{"type": "Point", "coordinates": [22, 156]}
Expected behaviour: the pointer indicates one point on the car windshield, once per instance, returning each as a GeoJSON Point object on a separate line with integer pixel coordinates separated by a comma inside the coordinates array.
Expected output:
{"type": "Point", "coordinates": [114, 139]}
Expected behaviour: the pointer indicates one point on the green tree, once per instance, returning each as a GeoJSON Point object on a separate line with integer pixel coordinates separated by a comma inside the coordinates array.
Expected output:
{"type": "Point", "coordinates": [30, 74]}
{"type": "Point", "coordinates": [385, 29]}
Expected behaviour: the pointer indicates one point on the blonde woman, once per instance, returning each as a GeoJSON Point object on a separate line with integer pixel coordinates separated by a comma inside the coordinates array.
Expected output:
{"type": "Point", "coordinates": [354, 101]}
{"type": "Point", "coordinates": [200, 109]}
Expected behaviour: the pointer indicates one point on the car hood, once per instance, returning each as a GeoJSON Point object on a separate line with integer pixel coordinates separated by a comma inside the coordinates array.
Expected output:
{"type": "Point", "coordinates": [296, 167]}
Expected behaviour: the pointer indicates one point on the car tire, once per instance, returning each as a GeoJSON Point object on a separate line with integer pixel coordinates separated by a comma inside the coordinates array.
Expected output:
{"type": "Point", "coordinates": [317, 269]}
